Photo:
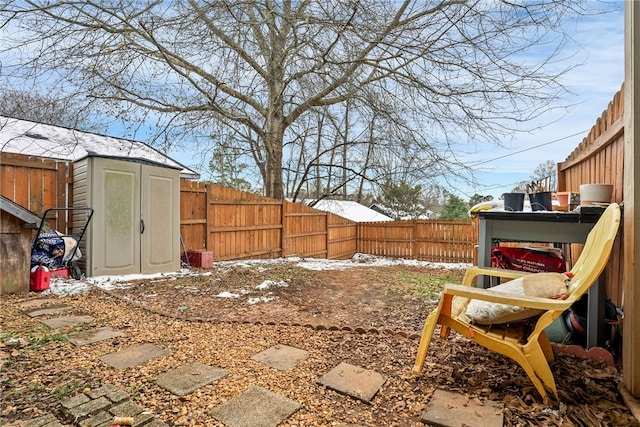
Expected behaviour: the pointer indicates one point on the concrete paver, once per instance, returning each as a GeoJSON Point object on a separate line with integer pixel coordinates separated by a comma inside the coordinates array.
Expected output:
{"type": "Point", "coordinates": [48, 310]}
{"type": "Point", "coordinates": [74, 401]}
{"type": "Point", "coordinates": [32, 303]}
{"type": "Point", "coordinates": [98, 408]}
{"type": "Point", "coordinates": [354, 381]}
{"type": "Point", "coordinates": [281, 357]}
{"type": "Point", "coordinates": [256, 407]}
{"type": "Point", "coordinates": [111, 392]}
{"type": "Point", "coordinates": [44, 421]}
{"type": "Point", "coordinates": [133, 356]}
{"type": "Point", "coordinates": [126, 409]}
{"type": "Point", "coordinates": [446, 409]}
{"type": "Point", "coordinates": [67, 321]}
{"type": "Point", "coordinates": [87, 409]}
{"type": "Point", "coordinates": [100, 418]}
{"type": "Point", "coordinates": [90, 336]}
{"type": "Point", "coordinates": [188, 378]}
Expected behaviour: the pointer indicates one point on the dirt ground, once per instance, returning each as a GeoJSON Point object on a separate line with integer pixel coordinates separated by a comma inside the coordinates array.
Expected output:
{"type": "Point", "coordinates": [366, 316]}
{"type": "Point", "coordinates": [390, 297]}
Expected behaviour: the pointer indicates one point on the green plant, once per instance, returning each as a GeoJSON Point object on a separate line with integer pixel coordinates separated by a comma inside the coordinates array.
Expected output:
{"type": "Point", "coordinates": [425, 286]}
{"type": "Point", "coordinates": [80, 327]}
{"type": "Point", "coordinates": [133, 392]}
{"type": "Point", "coordinates": [37, 387]}
{"type": "Point", "coordinates": [68, 388]}
{"type": "Point", "coordinates": [36, 342]}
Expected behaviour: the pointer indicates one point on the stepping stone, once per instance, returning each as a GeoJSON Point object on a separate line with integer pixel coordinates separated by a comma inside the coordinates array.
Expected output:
{"type": "Point", "coordinates": [66, 321]}
{"type": "Point", "coordinates": [111, 392]}
{"type": "Point", "coordinates": [86, 410]}
{"type": "Point", "coordinates": [281, 357]}
{"type": "Point", "coordinates": [446, 409]}
{"type": "Point", "coordinates": [126, 409]}
{"type": "Point", "coordinates": [44, 421]}
{"type": "Point", "coordinates": [94, 335]}
{"type": "Point", "coordinates": [132, 356]}
{"type": "Point", "coordinates": [353, 381]}
{"type": "Point", "coordinates": [256, 407]}
{"type": "Point", "coordinates": [188, 378]}
{"type": "Point", "coordinates": [35, 303]}
{"type": "Point", "coordinates": [48, 310]}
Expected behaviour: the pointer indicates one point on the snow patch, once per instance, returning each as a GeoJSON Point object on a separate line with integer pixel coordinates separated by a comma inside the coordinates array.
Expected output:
{"type": "Point", "coordinates": [59, 286]}
{"type": "Point", "coordinates": [259, 300]}
{"type": "Point", "coordinates": [226, 294]}
{"type": "Point", "coordinates": [271, 283]}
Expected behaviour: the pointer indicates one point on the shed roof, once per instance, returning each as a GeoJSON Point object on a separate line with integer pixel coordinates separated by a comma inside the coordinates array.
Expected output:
{"type": "Point", "coordinates": [56, 142]}
{"type": "Point", "coordinates": [30, 219]}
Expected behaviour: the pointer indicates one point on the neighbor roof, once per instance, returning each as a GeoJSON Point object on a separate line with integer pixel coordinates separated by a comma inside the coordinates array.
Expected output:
{"type": "Point", "coordinates": [56, 142]}
{"type": "Point", "coordinates": [350, 210]}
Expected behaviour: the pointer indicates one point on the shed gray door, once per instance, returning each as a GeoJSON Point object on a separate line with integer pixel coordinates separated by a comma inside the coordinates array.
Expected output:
{"type": "Point", "coordinates": [160, 218]}
{"type": "Point", "coordinates": [116, 229]}
{"type": "Point", "coordinates": [136, 220]}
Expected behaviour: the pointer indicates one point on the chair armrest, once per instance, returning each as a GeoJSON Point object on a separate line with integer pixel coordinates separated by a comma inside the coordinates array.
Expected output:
{"type": "Point", "coordinates": [506, 298]}
{"type": "Point", "coordinates": [473, 272]}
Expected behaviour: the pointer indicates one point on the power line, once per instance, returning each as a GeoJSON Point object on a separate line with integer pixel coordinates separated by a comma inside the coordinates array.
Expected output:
{"type": "Point", "coordinates": [481, 162]}
{"type": "Point", "coordinates": [497, 186]}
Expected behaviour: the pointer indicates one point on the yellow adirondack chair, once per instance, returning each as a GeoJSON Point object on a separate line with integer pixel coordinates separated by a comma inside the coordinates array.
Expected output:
{"type": "Point", "coordinates": [530, 349]}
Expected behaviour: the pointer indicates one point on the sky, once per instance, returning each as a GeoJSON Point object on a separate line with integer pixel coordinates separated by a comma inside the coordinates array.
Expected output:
{"type": "Point", "coordinates": [598, 45]}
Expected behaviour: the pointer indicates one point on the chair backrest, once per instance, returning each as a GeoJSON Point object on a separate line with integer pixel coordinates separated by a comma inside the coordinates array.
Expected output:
{"type": "Point", "coordinates": [596, 252]}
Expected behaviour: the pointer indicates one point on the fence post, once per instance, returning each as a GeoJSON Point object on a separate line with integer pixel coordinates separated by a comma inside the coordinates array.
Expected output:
{"type": "Point", "coordinates": [207, 233]}
{"type": "Point", "coordinates": [414, 239]}
{"type": "Point", "coordinates": [283, 215]}
{"type": "Point", "coordinates": [326, 240]}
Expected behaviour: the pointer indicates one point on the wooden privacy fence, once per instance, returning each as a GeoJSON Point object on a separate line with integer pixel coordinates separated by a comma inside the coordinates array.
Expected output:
{"type": "Point", "coordinates": [426, 240]}
{"type": "Point", "coordinates": [239, 225]}
{"type": "Point", "coordinates": [599, 159]}
{"type": "Point", "coordinates": [37, 184]}
{"type": "Point", "coordinates": [235, 225]}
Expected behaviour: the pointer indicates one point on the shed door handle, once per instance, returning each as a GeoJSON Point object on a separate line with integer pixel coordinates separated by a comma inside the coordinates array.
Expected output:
{"type": "Point", "coordinates": [141, 226]}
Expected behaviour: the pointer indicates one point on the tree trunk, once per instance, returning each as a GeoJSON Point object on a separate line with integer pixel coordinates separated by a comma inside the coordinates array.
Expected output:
{"type": "Point", "coordinates": [274, 186]}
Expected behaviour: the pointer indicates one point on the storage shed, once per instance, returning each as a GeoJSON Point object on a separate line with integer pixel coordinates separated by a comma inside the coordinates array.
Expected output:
{"type": "Point", "coordinates": [17, 227]}
{"type": "Point", "coordinates": [136, 220]}
{"type": "Point", "coordinates": [133, 189]}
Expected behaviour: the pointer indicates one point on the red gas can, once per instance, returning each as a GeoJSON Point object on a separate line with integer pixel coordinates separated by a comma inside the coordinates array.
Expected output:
{"type": "Point", "coordinates": [40, 279]}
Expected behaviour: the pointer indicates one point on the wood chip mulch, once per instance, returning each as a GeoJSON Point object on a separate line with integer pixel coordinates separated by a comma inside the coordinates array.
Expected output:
{"type": "Point", "coordinates": [39, 367]}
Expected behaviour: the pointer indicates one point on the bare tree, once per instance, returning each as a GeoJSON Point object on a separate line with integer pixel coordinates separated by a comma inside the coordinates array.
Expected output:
{"type": "Point", "coordinates": [252, 70]}
{"type": "Point", "coordinates": [543, 178]}
{"type": "Point", "coordinates": [547, 173]}
{"type": "Point", "coordinates": [48, 109]}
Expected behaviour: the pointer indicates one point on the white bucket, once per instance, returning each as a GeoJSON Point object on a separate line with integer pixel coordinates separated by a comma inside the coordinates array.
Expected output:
{"type": "Point", "coordinates": [595, 193]}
